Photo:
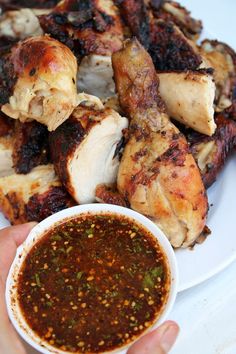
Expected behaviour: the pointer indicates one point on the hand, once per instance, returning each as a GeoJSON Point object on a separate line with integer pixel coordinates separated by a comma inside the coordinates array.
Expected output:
{"type": "Point", "coordinates": [10, 239]}
{"type": "Point", "coordinates": [158, 341]}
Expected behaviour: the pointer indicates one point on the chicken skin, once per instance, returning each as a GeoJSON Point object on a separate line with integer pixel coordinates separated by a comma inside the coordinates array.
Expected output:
{"type": "Point", "coordinates": [38, 81]}
{"type": "Point", "coordinates": [157, 174]}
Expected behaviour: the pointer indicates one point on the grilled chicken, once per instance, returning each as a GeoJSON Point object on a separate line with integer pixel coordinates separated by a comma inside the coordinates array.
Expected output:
{"type": "Point", "coordinates": [222, 58]}
{"type": "Point", "coordinates": [109, 194]}
{"type": "Point", "coordinates": [6, 125]}
{"type": "Point", "coordinates": [31, 4]}
{"type": "Point", "coordinates": [211, 153]}
{"type": "Point", "coordinates": [136, 16]}
{"type": "Point", "coordinates": [34, 196]}
{"type": "Point", "coordinates": [189, 98]}
{"type": "Point", "coordinates": [30, 147]}
{"type": "Point", "coordinates": [174, 12]}
{"type": "Point", "coordinates": [93, 30]}
{"type": "Point", "coordinates": [6, 145]}
{"type": "Point", "coordinates": [38, 81]}
{"type": "Point", "coordinates": [166, 43]}
{"type": "Point", "coordinates": [95, 76]}
{"type": "Point", "coordinates": [171, 50]}
{"type": "Point", "coordinates": [85, 150]}
{"type": "Point", "coordinates": [157, 174]}
{"type": "Point", "coordinates": [87, 27]}
{"type": "Point", "coordinates": [6, 148]}
{"type": "Point", "coordinates": [19, 24]}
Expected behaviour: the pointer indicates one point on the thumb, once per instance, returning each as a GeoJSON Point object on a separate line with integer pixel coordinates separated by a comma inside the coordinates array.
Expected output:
{"type": "Point", "coordinates": [158, 341]}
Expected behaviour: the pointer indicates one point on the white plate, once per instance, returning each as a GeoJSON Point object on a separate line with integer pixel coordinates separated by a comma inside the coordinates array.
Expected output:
{"type": "Point", "coordinates": [219, 250]}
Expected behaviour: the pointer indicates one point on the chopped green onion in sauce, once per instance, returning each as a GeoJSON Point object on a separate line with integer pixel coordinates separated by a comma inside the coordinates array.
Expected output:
{"type": "Point", "coordinates": [93, 283]}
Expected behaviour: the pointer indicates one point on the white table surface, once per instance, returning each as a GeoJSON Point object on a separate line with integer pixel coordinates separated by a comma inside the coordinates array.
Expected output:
{"type": "Point", "coordinates": [207, 312]}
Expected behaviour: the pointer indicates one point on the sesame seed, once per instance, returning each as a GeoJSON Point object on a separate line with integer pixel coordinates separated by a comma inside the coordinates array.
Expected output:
{"type": "Point", "coordinates": [81, 344]}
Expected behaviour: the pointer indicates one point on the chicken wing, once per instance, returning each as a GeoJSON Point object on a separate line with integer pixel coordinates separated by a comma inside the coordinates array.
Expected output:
{"type": "Point", "coordinates": [157, 174]}
{"type": "Point", "coordinates": [38, 81]}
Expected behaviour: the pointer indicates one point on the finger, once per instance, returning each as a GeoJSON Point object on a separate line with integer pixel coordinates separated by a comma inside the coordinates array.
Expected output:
{"type": "Point", "coordinates": [158, 341]}
{"type": "Point", "coordinates": [10, 239]}
{"type": "Point", "coordinates": [18, 233]}
{"type": "Point", "coordinates": [9, 341]}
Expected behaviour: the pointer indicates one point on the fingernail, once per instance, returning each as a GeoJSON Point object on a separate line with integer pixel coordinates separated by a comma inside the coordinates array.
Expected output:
{"type": "Point", "coordinates": [168, 337]}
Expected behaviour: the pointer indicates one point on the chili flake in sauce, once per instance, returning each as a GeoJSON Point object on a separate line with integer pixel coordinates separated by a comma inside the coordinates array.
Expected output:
{"type": "Point", "coordinates": [93, 283]}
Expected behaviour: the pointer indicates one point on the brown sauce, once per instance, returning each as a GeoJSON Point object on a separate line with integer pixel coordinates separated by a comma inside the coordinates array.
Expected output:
{"type": "Point", "coordinates": [93, 283]}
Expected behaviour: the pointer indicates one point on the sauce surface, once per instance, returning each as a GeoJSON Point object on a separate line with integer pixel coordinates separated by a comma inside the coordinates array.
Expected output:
{"type": "Point", "coordinates": [93, 283]}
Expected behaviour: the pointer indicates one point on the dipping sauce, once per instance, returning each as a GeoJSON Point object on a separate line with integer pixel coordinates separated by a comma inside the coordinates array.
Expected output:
{"type": "Point", "coordinates": [93, 283]}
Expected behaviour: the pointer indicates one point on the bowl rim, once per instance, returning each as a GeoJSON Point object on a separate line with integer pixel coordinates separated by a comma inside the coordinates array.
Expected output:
{"type": "Point", "coordinates": [39, 230]}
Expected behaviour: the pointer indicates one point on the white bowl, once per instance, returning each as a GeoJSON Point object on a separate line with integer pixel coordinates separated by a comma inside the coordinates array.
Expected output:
{"type": "Point", "coordinates": [39, 230]}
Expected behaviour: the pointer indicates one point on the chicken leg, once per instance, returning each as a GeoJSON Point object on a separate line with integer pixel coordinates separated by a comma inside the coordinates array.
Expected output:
{"type": "Point", "coordinates": [157, 174]}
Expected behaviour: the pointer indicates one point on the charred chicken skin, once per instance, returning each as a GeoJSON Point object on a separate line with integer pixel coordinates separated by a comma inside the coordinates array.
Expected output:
{"type": "Point", "coordinates": [174, 12]}
{"type": "Point", "coordinates": [85, 150]}
{"type": "Point", "coordinates": [30, 148]}
{"type": "Point", "coordinates": [87, 26]}
{"type": "Point", "coordinates": [157, 173]}
{"type": "Point", "coordinates": [34, 196]}
{"type": "Point", "coordinates": [211, 153]}
{"type": "Point", "coordinates": [30, 4]}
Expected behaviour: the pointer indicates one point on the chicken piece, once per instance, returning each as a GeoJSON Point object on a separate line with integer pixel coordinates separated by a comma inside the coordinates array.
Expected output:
{"type": "Point", "coordinates": [6, 145]}
{"type": "Point", "coordinates": [30, 147]}
{"type": "Point", "coordinates": [19, 24]}
{"type": "Point", "coordinates": [95, 76]}
{"type": "Point", "coordinates": [171, 50]}
{"type": "Point", "coordinates": [174, 12]}
{"type": "Point", "coordinates": [136, 16]}
{"type": "Point", "coordinates": [85, 150]}
{"type": "Point", "coordinates": [6, 125]}
{"type": "Point", "coordinates": [211, 153]}
{"type": "Point", "coordinates": [31, 4]}
{"type": "Point", "coordinates": [113, 102]}
{"type": "Point", "coordinates": [6, 148]}
{"type": "Point", "coordinates": [109, 194]}
{"type": "Point", "coordinates": [87, 27]}
{"type": "Point", "coordinates": [189, 98]}
{"type": "Point", "coordinates": [34, 196]}
{"type": "Point", "coordinates": [222, 58]}
{"type": "Point", "coordinates": [157, 174]}
{"type": "Point", "coordinates": [167, 45]}
{"type": "Point", "coordinates": [93, 30]}
{"type": "Point", "coordinates": [39, 82]}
